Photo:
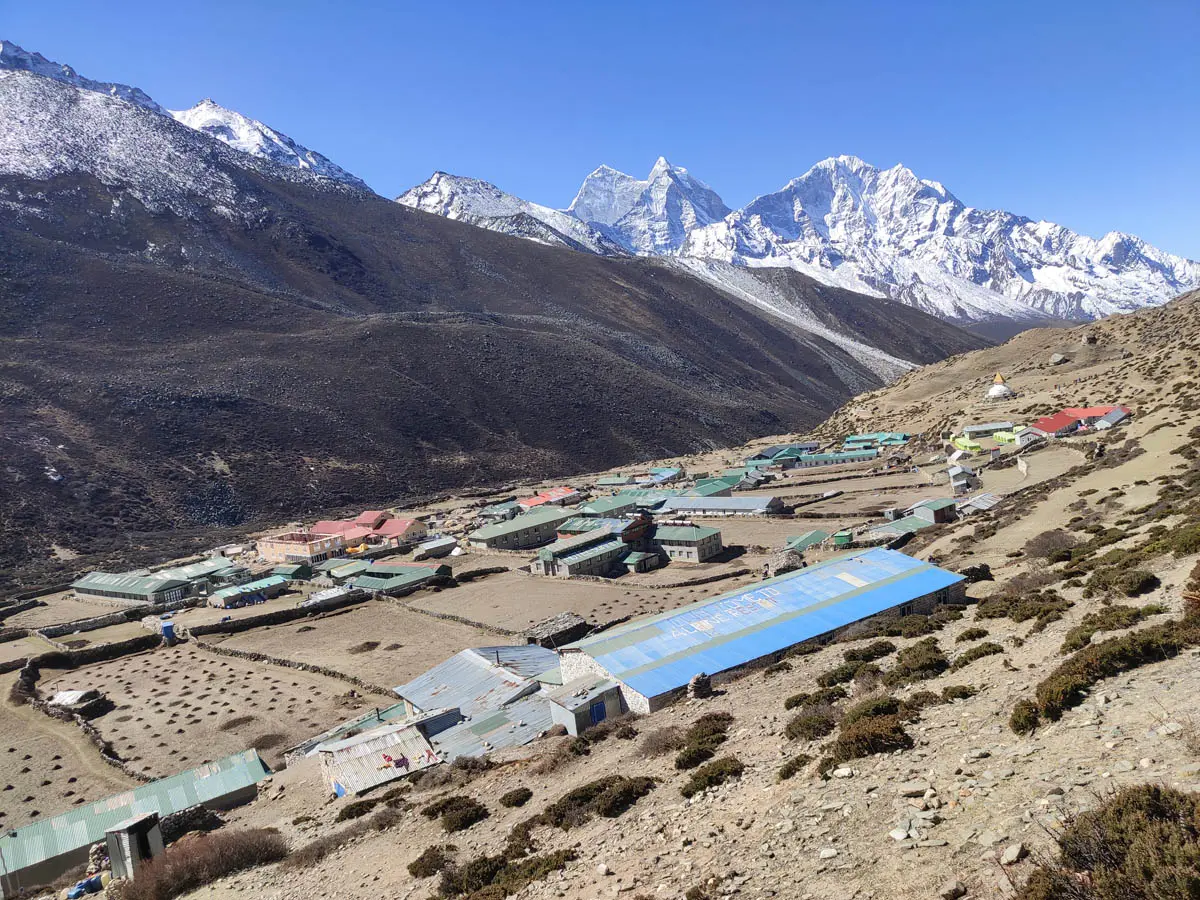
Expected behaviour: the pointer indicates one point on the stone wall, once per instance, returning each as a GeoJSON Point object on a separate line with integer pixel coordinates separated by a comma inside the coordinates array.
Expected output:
{"type": "Point", "coordinates": [131, 613]}
{"type": "Point", "coordinates": [276, 617]}
{"type": "Point", "coordinates": [12, 609]}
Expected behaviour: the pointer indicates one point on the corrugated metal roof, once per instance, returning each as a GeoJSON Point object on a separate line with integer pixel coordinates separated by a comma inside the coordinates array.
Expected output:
{"type": "Point", "coordinates": [132, 584]}
{"type": "Point", "coordinates": [78, 828]}
{"type": "Point", "coordinates": [574, 544]}
{"type": "Point", "coordinates": [602, 506]}
{"type": "Point", "coordinates": [708, 504]}
{"type": "Point", "coordinates": [251, 587]}
{"type": "Point", "coordinates": [935, 504]}
{"type": "Point", "coordinates": [376, 757]}
{"type": "Point", "coordinates": [671, 533]}
{"type": "Point", "coordinates": [389, 715]}
{"type": "Point", "coordinates": [511, 726]}
{"type": "Point", "coordinates": [479, 679]}
{"type": "Point", "coordinates": [806, 540]}
{"type": "Point", "coordinates": [660, 653]}
{"type": "Point", "coordinates": [581, 691]}
{"type": "Point", "coordinates": [839, 456]}
{"type": "Point", "coordinates": [585, 553]}
{"type": "Point", "coordinates": [546, 515]}
{"type": "Point", "coordinates": [906, 525]}
{"type": "Point", "coordinates": [980, 502]}
{"type": "Point", "coordinates": [196, 570]}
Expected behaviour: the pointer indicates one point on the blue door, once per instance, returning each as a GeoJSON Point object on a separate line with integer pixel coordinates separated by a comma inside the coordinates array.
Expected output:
{"type": "Point", "coordinates": [598, 712]}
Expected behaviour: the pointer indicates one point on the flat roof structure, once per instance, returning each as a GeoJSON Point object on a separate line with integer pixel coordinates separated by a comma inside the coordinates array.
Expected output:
{"type": "Point", "coordinates": [715, 506]}
{"type": "Point", "coordinates": [658, 654]}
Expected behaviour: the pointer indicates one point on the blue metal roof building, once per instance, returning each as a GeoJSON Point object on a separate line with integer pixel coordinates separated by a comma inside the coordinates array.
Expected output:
{"type": "Point", "coordinates": [655, 656]}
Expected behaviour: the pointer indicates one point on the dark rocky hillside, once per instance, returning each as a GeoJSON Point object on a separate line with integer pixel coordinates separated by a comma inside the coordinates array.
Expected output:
{"type": "Point", "coordinates": [164, 370]}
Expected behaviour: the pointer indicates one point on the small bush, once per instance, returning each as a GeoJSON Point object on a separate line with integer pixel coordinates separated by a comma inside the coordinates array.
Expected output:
{"type": "Point", "coordinates": [879, 734]}
{"type": "Point", "coordinates": [693, 755]}
{"type": "Point", "coordinates": [432, 861]}
{"type": "Point", "coordinates": [911, 706]}
{"type": "Point", "coordinates": [870, 653]}
{"type": "Point", "coordinates": [1024, 718]}
{"type": "Point", "coordinates": [778, 668]}
{"type": "Point", "coordinates": [516, 797]}
{"type": "Point", "coordinates": [918, 661]}
{"type": "Point", "coordinates": [840, 674]}
{"type": "Point", "coordinates": [987, 648]}
{"type": "Point", "coordinates": [495, 877]}
{"type": "Point", "coordinates": [457, 813]}
{"type": "Point", "coordinates": [971, 634]}
{"type": "Point", "coordinates": [316, 850]}
{"type": "Point", "coordinates": [872, 706]}
{"type": "Point", "coordinates": [662, 741]}
{"type": "Point", "coordinates": [609, 797]}
{"type": "Point", "coordinates": [1142, 843]}
{"type": "Point", "coordinates": [793, 766]}
{"type": "Point", "coordinates": [184, 867]}
{"type": "Point", "coordinates": [713, 774]}
{"type": "Point", "coordinates": [1108, 618]}
{"type": "Point", "coordinates": [958, 692]}
{"type": "Point", "coordinates": [813, 723]}
{"type": "Point", "coordinates": [1052, 546]}
{"type": "Point", "coordinates": [356, 809]}
{"type": "Point", "coordinates": [824, 697]}
{"type": "Point", "coordinates": [702, 739]}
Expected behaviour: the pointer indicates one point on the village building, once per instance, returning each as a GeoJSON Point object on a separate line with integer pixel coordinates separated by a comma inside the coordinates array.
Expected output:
{"type": "Point", "coordinates": [653, 658]}
{"type": "Point", "coordinates": [617, 480]}
{"type": "Point", "coordinates": [339, 570]}
{"type": "Point", "coordinates": [608, 507]}
{"type": "Point", "coordinates": [875, 439]}
{"type": "Point", "coordinates": [805, 541]}
{"type": "Point", "coordinates": [398, 578]}
{"type": "Point", "coordinates": [963, 480]}
{"type": "Point", "coordinates": [1110, 419]}
{"type": "Point", "coordinates": [401, 532]}
{"type": "Point", "coordinates": [527, 530]}
{"type": "Point", "coordinates": [555, 496]}
{"type": "Point", "coordinates": [293, 571]}
{"type": "Point", "coordinates": [836, 458]}
{"type": "Point", "coordinates": [1029, 435]}
{"type": "Point", "coordinates": [137, 588]}
{"type": "Point", "coordinates": [43, 851]}
{"type": "Point", "coordinates": [688, 542]}
{"type": "Point", "coordinates": [251, 592]}
{"type": "Point", "coordinates": [633, 530]}
{"type": "Point", "coordinates": [581, 704]}
{"type": "Point", "coordinates": [1058, 425]}
{"type": "Point", "coordinates": [499, 512]}
{"type": "Point", "coordinates": [664, 475]}
{"type": "Point", "coordinates": [938, 511]}
{"type": "Point", "coordinates": [976, 504]}
{"type": "Point", "coordinates": [436, 548]}
{"type": "Point", "coordinates": [722, 506]}
{"type": "Point", "coordinates": [710, 487]}
{"type": "Point", "coordinates": [360, 762]}
{"type": "Point", "coordinates": [561, 628]}
{"type": "Point", "coordinates": [770, 453]}
{"type": "Point", "coordinates": [301, 547]}
{"type": "Point", "coordinates": [594, 552]}
{"type": "Point", "coordinates": [987, 429]}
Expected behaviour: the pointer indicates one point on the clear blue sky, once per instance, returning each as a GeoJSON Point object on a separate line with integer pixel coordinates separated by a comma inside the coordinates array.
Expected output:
{"type": "Point", "coordinates": [1084, 113]}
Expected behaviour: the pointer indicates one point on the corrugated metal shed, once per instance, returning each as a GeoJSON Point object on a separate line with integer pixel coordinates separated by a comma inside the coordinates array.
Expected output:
{"type": "Point", "coordinates": [78, 828]}
{"type": "Point", "coordinates": [479, 680]}
{"type": "Point", "coordinates": [806, 540]}
{"type": "Point", "coordinates": [978, 503]}
{"type": "Point", "coordinates": [580, 692]}
{"type": "Point", "coordinates": [661, 653]}
{"type": "Point", "coordinates": [717, 505]}
{"type": "Point", "coordinates": [905, 525]}
{"type": "Point", "coordinates": [513, 725]}
{"type": "Point", "coordinates": [250, 587]}
{"type": "Point", "coordinates": [376, 757]}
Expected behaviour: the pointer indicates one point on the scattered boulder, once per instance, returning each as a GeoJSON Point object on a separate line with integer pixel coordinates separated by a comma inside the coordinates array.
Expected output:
{"type": "Point", "coordinates": [952, 890]}
{"type": "Point", "coordinates": [1012, 854]}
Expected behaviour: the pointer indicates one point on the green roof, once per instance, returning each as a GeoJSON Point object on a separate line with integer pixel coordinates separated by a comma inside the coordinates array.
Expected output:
{"type": "Point", "coordinates": [586, 553]}
{"type": "Point", "coordinates": [348, 567]}
{"type": "Point", "coordinates": [940, 503]}
{"type": "Point", "coordinates": [638, 556]}
{"type": "Point", "coordinates": [195, 570]}
{"type": "Point", "coordinates": [127, 584]}
{"type": "Point", "coordinates": [572, 544]}
{"type": "Point", "coordinates": [649, 493]}
{"type": "Point", "coordinates": [614, 479]}
{"type": "Point", "coordinates": [712, 487]}
{"type": "Point", "coordinates": [293, 570]}
{"type": "Point", "coordinates": [806, 540]}
{"type": "Point", "coordinates": [251, 587]}
{"type": "Point", "coordinates": [601, 506]}
{"type": "Point", "coordinates": [542, 515]}
{"type": "Point", "coordinates": [905, 525]}
{"type": "Point", "coordinates": [78, 828]}
{"type": "Point", "coordinates": [683, 532]}
{"type": "Point", "coordinates": [389, 578]}
{"type": "Point", "coordinates": [840, 455]}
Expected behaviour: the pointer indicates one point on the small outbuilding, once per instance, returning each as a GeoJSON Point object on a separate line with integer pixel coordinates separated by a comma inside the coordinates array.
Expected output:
{"type": "Point", "coordinates": [579, 705]}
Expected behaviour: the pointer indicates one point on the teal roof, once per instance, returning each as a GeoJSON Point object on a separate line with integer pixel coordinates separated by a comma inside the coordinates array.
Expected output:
{"type": "Point", "coordinates": [651, 494]}
{"type": "Point", "coordinates": [251, 587]}
{"type": "Point", "coordinates": [602, 506]}
{"type": "Point", "coordinates": [638, 556]}
{"type": "Point", "coordinates": [570, 545]}
{"type": "Point", "coordinates": [384, 577]}
{"type": "Point", "coordinates": [671, 533]}
{"type": "Point", "coordinates": [906, 525]}
{"type": "Point", "coordinates": [940, 503]}
{"type": "Point", "coordinates": [202, 569]}
{"type": "Point", "coordinates": [806, 540]}
{"type": "Point", "coordinates": [77, 829]}
{"type": "Point", "coordinates": [591, 552]}
{"type": "Point", "coordinates": [129, 584]}
{"type": "Point", "coordinates": [712, 487]}
{"type": "Point", "coordinates": [840, 456]}
{"type": "Point", "coordinates": [614, 479]}
{"type": "Point", "coordinates": [542, 515]}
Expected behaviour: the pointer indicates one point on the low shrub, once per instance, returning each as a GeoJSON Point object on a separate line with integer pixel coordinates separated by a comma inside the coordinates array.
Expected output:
{"type": "Point", "coordinates": [840, 674]}
{"type": "Point", "coordinates": [713, 774]}
{"type": "Point", "coordinates": [1043, 607]}
{"type": "Point", "coordinates": [793, 766]}
{"type": "Point", "coordinates": [1120, 580]}
{"type": "Point", "coordinates": [1108, 618]}
{"type": "Point", "coordinates": [778, 668]}
{"type": "Point", "coordinates": [979, 651]}
{"type": "Point", "coordinates": [516, 797]}
{"type": "Point", "coordinates": [823, 697]}
{"type": "Point", "coordinates": [495, 877]}
{"type": "Point", "coordinates": [457, 813]}
{"type": "Point", "coordinates": [971, 634]}
{"type": "Point", "coordinates": [813, 723]}
{"type": "Point", "coordinates": [702, 739]}
{"type": "Point", "coordinates": [662, 741]}
{"type": "Point", "coordinates": [911, 706]}
{"type": "Point", "coordinates": [356, 809]}
{"type": "Point", "coordinates": [958, 692]}
{"type": "Point", "coordinates": [184, 867]}
{"type": "Point", "coordinates": [916, 662]}
{"type": "Point", "coordinates": [608, 797]}
{"type": "Point", "coordinates": [1066, 686]}
{"type": "Point", "coordinates": [877, 734]}
{"type": "Point", "coordinates": [872, 706]}
{"type": "Point", "coordinates": [1141, 843]}
{"type": "Point", "coordinates": [432, 861]}
{"type": "Point", "coordinates": [870, 653]}
{"type": "Point", "coordinates": [1024, 718]}
{"type": "Point", "coordinates": [693, 755]}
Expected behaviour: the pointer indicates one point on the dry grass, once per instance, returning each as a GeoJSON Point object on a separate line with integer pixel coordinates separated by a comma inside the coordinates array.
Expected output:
{"type": "Point", "coordinates": [195, 862]}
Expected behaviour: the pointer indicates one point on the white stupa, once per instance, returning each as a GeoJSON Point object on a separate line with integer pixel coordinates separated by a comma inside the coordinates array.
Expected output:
{"type": "Point", "coordinates": [1000, 389]}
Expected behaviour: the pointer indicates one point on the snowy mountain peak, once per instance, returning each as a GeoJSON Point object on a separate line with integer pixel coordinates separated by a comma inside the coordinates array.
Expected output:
{"type": "Point", "coordinates": [654, 216]}
{"type": "Point", "coordinates": [482, 203]}
{"type": "Point", "coordinates": [253, 137]}
{"type": "Point", "coordinates": [15, 58]}
{"type": "Point", "coordinates": [207, 116]}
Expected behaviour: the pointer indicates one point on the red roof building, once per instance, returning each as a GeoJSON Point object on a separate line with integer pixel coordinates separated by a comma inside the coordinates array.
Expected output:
{"type": "Point", "coordinates": [332, 526]}
{"type": "Point", "coordinates": [1088, 414]}
{"type": "Point", "coordinates": [402, 530]}
{"type": "Point", "coordinates": [556, 496]}
{"type": "Point", "coordinates": [1057, 424]}
{"type": "Point", "coordinates": [372, 518]}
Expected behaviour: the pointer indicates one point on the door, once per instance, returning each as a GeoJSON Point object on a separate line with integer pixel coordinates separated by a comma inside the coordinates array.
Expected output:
{"type": "Point", "coordinates": [598, 712]}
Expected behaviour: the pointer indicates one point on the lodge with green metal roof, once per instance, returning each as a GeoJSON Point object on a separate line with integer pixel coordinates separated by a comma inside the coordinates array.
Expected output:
{"type": "Point", "coordinates": [142, 588]}
{"type": "Point", "coordinates": [395, 579]}
{"type": "Point", "coordinates": [527, 530]}
{"type": "Point", "coordinates": [690, 543]}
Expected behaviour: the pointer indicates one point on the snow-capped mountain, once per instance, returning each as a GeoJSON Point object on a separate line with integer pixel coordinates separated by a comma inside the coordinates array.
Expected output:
{"type": "Point", "coordinates": [253, 137]}
{"type": "Point", "coordinates": [648, 217]}
{"type": "Point", "coordinates": [240, 132]}
{"type": "Point", "coordinates": [483, 204]}
{"type": "Point", "coordinates": [883, 232]}
{"type": "Point", "coordinates": [891, 233]}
